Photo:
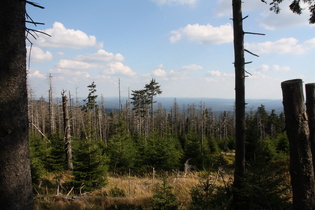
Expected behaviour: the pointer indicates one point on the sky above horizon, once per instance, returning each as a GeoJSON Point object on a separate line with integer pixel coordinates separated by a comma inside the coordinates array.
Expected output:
{"type": "Point", "coordinates": [185, 45]}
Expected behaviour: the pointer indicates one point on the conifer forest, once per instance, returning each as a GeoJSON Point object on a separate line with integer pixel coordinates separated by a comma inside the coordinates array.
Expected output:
{"type": "Point", "coordinates": [78, 146]}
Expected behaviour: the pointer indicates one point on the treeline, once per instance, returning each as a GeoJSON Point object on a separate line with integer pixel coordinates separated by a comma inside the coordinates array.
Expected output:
{"type": "Point", "coordinates": [138, 139]}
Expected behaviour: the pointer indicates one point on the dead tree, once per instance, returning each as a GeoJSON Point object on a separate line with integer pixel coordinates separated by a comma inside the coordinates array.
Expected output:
{"type": "Point", "coordinates": [239, 64]}
{"type": "Point", "coordinates": [301, 166]}
{"type": "Point", "coordinates": [310, 108]}
{"type": "Point", "coordinates": [67, 131]}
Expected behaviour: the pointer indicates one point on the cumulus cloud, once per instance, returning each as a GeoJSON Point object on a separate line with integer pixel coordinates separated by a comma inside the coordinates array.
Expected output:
{"type": "Point", "coordinates": [203, 34]}
{"type": "Point", "coordinates": [72, 64]}
{"type": "Point", "coordinates": [75, 75]}
{"type": "Point", "coordinates": [280, 68]}
{"type": "Point", "coordinates": [38, 55]}
{"type": "Point", "coordinates": [61, 37]}
{"type": "Point", "coordinates": [281, 46]}
{"type": "Point", "coordinates": [118, 68]}
{"type": "Point", "coordinates": [101, 55]}
{"type": "Point", "coordinates": [159, 73]}
{"type": "Point", "coordinates": [36, 74]}
{"type": "Point", "coordinates": [192, 67]}
{"type": "Point", "coordinates": [175, 2]}
{"type": "Point", "coordinates": [285, 19]}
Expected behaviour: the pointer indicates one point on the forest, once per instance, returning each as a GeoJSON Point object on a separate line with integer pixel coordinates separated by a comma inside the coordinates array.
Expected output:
{"type": "Point", "coordinates": [62, 153]}
{"type": "Point", "coordinates": [77, 148]}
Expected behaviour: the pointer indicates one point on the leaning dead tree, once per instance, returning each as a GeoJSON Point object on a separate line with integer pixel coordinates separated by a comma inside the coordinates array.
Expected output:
{"type": "Point", "coordinates": [301, 164]}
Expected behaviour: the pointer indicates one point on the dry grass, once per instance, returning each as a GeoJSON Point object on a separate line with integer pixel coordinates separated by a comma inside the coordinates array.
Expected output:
{"type": "Point", "coordinates": [126, 192]}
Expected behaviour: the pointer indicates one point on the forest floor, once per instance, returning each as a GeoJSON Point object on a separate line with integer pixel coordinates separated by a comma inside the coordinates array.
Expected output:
{"type": "Point", "coordinates": [133, 192]}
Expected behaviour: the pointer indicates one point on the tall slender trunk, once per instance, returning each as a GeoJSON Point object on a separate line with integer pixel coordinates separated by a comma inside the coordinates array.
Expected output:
{"type": "Point", "coordinates": [67, 132]}
{"type": "Point", "coordinates": [239, 63]}
{"type": "Point", "coordinates": [15, 173]}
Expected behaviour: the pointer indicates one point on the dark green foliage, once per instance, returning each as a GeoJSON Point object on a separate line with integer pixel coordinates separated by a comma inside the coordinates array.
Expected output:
{"type": "Point", "coordinates": [90, 165]}
{"type": "Point", "coordinates": [282, 143]}
{"type": "Point", "coordinates": [38, 154]}
{"type": "Point", "coordinates": [213, 145]}
{"type": "Point", "coordinates": [90, 101]}
{"type": "Point", "coordinates": [266, 187]}
{"type": "Point", "coordinates": [56, 160]}
{"type": "Point", "coordinates": [208, 196]}
{"type": "Point", "coordinates": [121, 149]}
{"type": "Point", "coordinates": [164, 198]}
{"type": "Point", "coordinates": [117, 192]}
{"type": "Point", "coordinates": [195, 149]}
{"type": "Point", "coordinates": [162, 153]}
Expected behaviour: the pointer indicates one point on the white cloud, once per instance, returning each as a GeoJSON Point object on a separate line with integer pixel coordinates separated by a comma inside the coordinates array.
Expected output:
{"type": "Point", "coordinates": [214, 73]}
{"type": "Point", "coordinates": [101, 55]}
{"type": "Point", "coordinates": [280, 68]}
{"type": "Point", "coordinates": [75, 75]}
{"type": "Point", "coordinates": [159, 73]}
{"type": "Point", "coordinates": [36, 74]}
{"type": "Point", "coordinates": [281, 46]}
{"type": "Point", "coordinates": [192, 67]}
{"type": "Point", "coordinates": [285, 19]}
{"type": "Point", "coordinates": [38, 55]}
{"type": "Point", "coordinates": [118, 68]}
{"type": "Point", "coordinates": [61, 37]}
{"type": "Point", "coordinates": [175, 2]}
{"type": "Point", "coordinates": [72, 64]}
{"type": "Point", "coordinates": [204, 34]}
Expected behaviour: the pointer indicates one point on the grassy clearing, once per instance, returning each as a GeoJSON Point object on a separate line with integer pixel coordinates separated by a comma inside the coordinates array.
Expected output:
{"type": "Point", "coordinates": [128, 192]}
{"type": "Point", "coordinates": [133, 192]}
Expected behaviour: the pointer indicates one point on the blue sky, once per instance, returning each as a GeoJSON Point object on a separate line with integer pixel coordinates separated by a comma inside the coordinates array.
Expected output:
{"type": "Point", "coordinates": [186, 45]}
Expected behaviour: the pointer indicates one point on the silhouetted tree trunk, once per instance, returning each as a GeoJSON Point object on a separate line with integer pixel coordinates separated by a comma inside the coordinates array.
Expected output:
{"type": "Point", "coordinates": [239, 63]}
{"type": "Point", "coordinates": [301, 166]}
{"type": "Point", "coordinates": [310, 107]}
{"type": "Point", "coordinates": [15, 174]}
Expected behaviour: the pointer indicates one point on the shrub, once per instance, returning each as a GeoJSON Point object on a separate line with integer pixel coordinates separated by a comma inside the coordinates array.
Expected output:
{"type": "Point", "coordinates": [117, 192]}
{"type": "Point", "coordinates": [164, 199]}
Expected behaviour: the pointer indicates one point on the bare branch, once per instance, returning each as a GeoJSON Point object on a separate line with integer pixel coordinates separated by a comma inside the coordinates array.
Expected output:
{"type": "Point", "coordinates": [251, 53]}
{"type": "Point", "coordinates": [252, 33]}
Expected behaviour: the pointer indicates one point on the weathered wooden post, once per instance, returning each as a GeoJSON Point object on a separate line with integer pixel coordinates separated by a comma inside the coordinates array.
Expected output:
{"type": "Point", "coordinates": [310, 109]}
{"type": "Point", "coordinates": [67, 134]}
{"type": "Point", "coordinates": [301, 166]}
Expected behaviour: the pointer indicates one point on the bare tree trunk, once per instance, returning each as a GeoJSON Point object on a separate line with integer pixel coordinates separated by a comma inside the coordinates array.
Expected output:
{"type": "Point", "coordinates": [51, 107]}
{"type": "Point", "coordinates": [310, 106]}
{"type": "Point", "coordinates": [301, 164]}
{"type": "Point", "coordinates": [15, 173]}
{"type": "Point", "coordinates": [239, 63]}
{"type": "Point", "coordinates": [67, 131]}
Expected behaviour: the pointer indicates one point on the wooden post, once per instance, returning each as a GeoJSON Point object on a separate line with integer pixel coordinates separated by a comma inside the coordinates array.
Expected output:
{"type": "Point", "coordinates": [310, 108]}
{"type": "Point", "coordinates": [67, 134]}
{"type": "Point", "coordinates": [301, 166]}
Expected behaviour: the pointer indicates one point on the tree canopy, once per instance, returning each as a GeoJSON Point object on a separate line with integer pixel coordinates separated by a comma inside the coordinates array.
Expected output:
{"type": "Point", "coordinates": [297, 6]}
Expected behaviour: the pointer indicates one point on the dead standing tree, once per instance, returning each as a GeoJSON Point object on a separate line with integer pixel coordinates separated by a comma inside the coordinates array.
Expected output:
{"type": "Point", "coordinates": [301, 164]}
{"type": "Point", "coordinates": [67, 131]}
{"type": "Point", "coordinates": [310, 108]}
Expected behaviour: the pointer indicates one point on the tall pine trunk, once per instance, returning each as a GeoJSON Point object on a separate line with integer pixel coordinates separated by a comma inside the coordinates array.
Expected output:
{"type": "Point", "coordinates": [15, 175]}
{"type": "Point", "coordinates": [239, 63]}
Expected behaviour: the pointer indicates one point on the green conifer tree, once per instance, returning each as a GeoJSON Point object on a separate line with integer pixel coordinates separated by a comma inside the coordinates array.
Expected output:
{"type": "Point", "coordinates": [90, 165]}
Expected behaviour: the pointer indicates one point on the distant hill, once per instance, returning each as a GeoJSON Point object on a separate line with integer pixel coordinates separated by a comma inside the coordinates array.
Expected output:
{"type": "Point", "coordinates": [216, 104]}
